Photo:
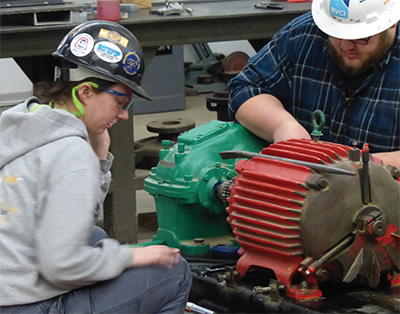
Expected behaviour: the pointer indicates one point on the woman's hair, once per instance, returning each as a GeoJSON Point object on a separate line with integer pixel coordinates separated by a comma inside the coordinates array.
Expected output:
{"type": "Point", "coordinates": [62, 91]}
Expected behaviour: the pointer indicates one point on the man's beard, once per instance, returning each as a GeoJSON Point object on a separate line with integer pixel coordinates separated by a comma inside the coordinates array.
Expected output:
{"type": "Point", "coordinates": [383, 46]}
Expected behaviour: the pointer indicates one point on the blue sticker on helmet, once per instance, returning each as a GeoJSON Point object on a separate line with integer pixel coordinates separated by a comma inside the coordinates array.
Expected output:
{"type": "Point", "coordinates": [340, 8]}
{"type": "Point", "coordinates": [108, 52]}
{"type": "Point", "coordinates": [131, 63]}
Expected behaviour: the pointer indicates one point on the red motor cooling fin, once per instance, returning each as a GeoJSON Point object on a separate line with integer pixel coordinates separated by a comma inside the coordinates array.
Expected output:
{"type": "Point", "coordinates": [281, 217]}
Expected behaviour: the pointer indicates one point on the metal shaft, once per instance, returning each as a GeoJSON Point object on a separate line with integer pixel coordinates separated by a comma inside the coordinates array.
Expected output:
{"type": "Point", "coordinates": [365, 178]}
{"type": "Point", "coordinates": [334, 251]}
{"type": "Point", "coordinates": [243, 154]}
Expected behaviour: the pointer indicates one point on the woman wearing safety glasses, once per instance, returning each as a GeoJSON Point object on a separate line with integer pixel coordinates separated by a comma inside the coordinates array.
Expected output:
{"type": "Point", "coordinates": [54, 176]}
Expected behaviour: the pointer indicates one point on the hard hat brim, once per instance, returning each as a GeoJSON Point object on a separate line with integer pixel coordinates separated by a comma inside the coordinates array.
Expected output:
{"type": "Point", "coordinates": [137, 89]}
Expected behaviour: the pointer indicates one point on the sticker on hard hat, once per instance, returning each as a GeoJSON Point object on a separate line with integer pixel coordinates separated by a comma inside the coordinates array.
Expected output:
{"type": "Point", "coordinates": [114, 37]}
{"type": "Point", "coordinates": [108, 52]}
{"type": "Point", "coordinates": [131, 63]}
{"type": "Point", "coordinates": [340, 8]}
{"type": "Point", "coordinates": [81, 45]}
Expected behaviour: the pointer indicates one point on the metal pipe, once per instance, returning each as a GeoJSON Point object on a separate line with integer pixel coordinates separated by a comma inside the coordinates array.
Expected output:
{"type": "Point", "coordinates": [334, 251]}
{"type": "Point", "coordinates": [230, 154]}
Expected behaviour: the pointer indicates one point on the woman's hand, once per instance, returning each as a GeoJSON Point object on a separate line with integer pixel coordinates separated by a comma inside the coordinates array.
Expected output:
{"type": "Point", "coordinates": [155, 255]}
{"type": "Point", "coordinates": [100, 143]}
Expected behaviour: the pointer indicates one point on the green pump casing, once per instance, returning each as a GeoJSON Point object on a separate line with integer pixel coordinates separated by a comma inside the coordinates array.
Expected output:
{"type": "Point", "coordinates": [184, 185]}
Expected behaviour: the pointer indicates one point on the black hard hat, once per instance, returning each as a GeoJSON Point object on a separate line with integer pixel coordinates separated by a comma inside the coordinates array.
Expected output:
{"type": "Point", "coordinates": [107, 48]}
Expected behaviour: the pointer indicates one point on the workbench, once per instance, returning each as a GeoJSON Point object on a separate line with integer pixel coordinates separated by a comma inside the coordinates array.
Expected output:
{"type": "Point", "coordinates": [211, 21]}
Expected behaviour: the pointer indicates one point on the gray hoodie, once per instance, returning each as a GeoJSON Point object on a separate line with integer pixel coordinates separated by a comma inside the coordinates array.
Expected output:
{"type": "Point", "coordinates": [52, 186]}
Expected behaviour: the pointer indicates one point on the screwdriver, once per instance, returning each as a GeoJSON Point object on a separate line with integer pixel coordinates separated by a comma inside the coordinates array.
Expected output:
{"type": "Point", "coordinates": [191, 307]}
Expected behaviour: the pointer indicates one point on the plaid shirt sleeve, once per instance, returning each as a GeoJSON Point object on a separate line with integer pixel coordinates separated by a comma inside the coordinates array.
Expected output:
{"type": "Point", "coordinates": [297, 68]}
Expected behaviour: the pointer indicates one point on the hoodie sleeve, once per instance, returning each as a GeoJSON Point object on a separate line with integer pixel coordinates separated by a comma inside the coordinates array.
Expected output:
{"type": "Point", "coordinates": [105, 180]}
{"type": "Point", "coordinates": [69, 198]}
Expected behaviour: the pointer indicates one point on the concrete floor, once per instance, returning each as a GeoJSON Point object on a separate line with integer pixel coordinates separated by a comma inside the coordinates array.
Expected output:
{"type": "Point", "coordinates": [196, 110]}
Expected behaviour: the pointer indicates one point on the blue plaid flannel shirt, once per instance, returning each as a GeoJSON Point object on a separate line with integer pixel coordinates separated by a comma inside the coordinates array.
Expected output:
{"type": "Point", "coordinates": [297, 68]}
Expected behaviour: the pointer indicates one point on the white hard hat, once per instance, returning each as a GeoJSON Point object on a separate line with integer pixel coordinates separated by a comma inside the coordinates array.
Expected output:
{"type": "Point", "coordinates": [354, 19]}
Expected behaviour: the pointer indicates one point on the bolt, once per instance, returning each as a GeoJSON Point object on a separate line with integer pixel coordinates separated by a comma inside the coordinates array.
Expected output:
{"type": "Point", "coordinates": [395, 173]}
{"type": "Point", "coordinates": [316, 182]}
{"type": "Point", "coordinates": [322, 273]}
{"type": "Point", "coordinates": [188, 178]}
{"type": "Point", "coordinates": [181, 147]}
{"type": "Point", "coordinates": [223, 277]}
{"type": "Point", "coordinates": [166, 144]}
{"type": "Point", "coordinates": [354, 154]}
{"type": "Point", "coordinates": [260, 289]}
{"type": "Point", "coordinates": [322, 183]}
{"type": "Point", "coordinates": [378, 228]}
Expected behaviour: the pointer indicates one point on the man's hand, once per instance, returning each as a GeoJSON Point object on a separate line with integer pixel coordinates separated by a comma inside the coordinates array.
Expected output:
{"type": "Point", "coordinates": [155, 255]}
{"type": "Point", "coordinates": [100, 143]}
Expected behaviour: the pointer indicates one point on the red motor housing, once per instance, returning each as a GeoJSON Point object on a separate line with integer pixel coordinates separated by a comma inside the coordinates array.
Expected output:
{"type": "Point", "coordinates": [316, 225]}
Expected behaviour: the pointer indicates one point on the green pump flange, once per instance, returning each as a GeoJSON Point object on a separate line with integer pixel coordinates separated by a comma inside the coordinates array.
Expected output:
{"type": "Point", "coordinates": [318, 121]}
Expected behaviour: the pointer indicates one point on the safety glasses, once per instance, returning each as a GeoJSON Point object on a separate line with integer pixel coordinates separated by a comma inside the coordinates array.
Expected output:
{"type": "Point", "coordinates": [361, 41]}
{"type": "Point", "coordinates": [124, 105]}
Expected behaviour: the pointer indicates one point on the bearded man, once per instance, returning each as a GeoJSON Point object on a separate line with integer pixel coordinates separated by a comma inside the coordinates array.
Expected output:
{"type": "Point", "coordinates": [343, 58]}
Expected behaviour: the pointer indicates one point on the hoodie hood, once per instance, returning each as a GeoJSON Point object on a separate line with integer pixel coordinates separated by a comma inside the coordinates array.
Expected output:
{"type": "Point", "coordinates": [22, 131]}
